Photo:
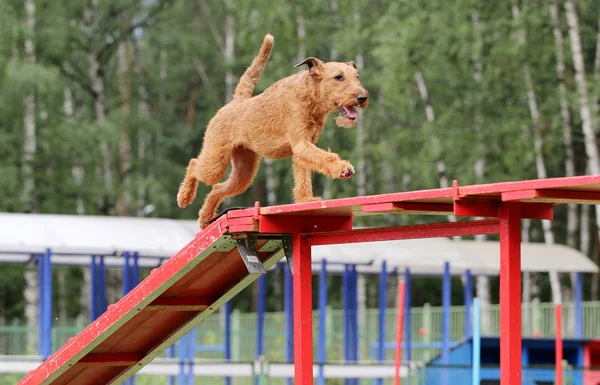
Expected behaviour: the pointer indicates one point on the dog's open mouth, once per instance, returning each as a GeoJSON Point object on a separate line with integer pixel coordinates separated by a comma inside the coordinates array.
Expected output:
{"type": "Point", "coordinates": [349, 112]}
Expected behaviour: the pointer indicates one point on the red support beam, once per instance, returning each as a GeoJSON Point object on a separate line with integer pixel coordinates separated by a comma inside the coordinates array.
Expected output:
{"type": "Point", "coordinates": [409, 207]}
{"type": "Point", "coordinates": [469, 207]}
{"type": "Point", "coordinates": [510, 294]}
{"type": "Point", "coordinates": [303, 338]}
{"type": "Point", "coordinates": [553, 196]}
{"type": "Point", "coordinates": [435, 230]}
{"type": "Point", "coordinates": [303, 224]}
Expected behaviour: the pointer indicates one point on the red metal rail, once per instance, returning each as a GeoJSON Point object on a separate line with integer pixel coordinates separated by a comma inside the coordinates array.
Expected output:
{"type": "Point", "coordinates": [210, 270]}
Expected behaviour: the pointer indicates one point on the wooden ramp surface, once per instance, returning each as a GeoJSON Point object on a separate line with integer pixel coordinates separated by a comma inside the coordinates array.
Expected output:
{"type": "Point", "coordinates": [176, 297]}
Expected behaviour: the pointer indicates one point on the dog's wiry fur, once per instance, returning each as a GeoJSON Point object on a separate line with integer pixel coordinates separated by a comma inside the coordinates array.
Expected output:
{"type": "Point", "coordinates": [283, 121]}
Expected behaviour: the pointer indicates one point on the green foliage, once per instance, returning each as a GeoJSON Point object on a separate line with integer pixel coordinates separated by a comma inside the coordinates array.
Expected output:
{"type": "Point", "coordinates": [175, 55]}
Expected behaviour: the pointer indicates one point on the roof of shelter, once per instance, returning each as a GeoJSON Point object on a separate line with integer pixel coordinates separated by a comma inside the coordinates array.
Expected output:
{"type": "Point", "coordinates": [73, 238]}
{"type": "Point", "coordinates": [427, 256]}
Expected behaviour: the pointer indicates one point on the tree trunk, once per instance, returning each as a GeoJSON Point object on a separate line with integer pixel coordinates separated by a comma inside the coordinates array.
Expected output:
{"type": "Point", "coordinates": [163, 72]}
{"type": "Point", "coordinates": [538, 144]}
{"type": "Point", "coordinates": [596, 104]}
{"type": "Point", "coordinates": [122, 204]}
{"type": "Point", "coordinates": [100, 108]}
{"type": "Point", "coordinates": [77, 171]}
{"type": "Point", "coordinates": [61, 275]}
{"type": "Point", "coordinates": [430, 115]}
{"type": "Point", "coordinates": [566, 120]}
{"type": "Point", "coordinates": [29, 149]}
{"type": "Point", "coordinates": [29, 102]}
{"type": "Point", "coordinates": [591, 149]}
{"type": "Point", "coordinates": [582, 90]}
{"type": "Point", "coordinates": [436, 144]}
{"type": "Point", "coordinates": [31, 294]}
{"type": "Point", "coordinates": [566, 125]}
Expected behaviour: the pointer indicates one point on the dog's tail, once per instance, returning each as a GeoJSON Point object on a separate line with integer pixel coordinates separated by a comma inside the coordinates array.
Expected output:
{"type": "Point", "coordinates": [189, 185]}
{"type": "Point", "coordinates": [249, 79]}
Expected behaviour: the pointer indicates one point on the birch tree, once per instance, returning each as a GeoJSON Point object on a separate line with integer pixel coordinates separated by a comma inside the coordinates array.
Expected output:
{"type": "Point", "coordinates": [538, 141]}
{"type": "Point", "coordinates": [96, 74]}
{"type": "Point", "coordinates": [31, 293]}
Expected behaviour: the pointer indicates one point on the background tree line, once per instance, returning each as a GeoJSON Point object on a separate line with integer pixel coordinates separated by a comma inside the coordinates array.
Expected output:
{"type": "Point", "coordinates": [102, 103]}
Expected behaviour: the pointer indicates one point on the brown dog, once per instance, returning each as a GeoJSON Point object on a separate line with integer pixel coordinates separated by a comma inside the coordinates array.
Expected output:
{"type": "Point", "coordinates": [285, 120]}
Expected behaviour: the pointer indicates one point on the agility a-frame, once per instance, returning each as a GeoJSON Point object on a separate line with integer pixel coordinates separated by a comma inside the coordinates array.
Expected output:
{"type": "Point", "coordinates": [242, 244]}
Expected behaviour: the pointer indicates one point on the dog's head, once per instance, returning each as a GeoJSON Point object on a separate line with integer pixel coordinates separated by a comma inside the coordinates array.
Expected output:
{"type": "Point", "coordinates": [340, 89]}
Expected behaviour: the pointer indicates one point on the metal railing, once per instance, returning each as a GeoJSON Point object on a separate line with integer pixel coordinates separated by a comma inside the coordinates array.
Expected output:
{"type": "Point", "coordinates": [538, 321]}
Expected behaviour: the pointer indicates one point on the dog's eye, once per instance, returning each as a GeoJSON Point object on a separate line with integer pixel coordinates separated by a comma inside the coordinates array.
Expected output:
{"type": "Point", "coordinates": [339, 77]}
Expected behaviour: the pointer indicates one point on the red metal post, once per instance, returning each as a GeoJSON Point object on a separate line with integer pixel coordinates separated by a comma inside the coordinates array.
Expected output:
{"type": "Point", "coordinates": [399, 330]}
{"type": "Point", "coordinates": [510, 294]}
{"type": "Point", "coordinates": [559, 345]}
{"type": "Point", "coordinates": [303, 338]}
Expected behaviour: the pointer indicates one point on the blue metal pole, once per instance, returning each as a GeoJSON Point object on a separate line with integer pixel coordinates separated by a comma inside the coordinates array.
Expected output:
{"type": "Point", "coordinates": [136, 270]}
{"type": "Point", "coordinates": [262, 293]}
{"type": "Point", "coordinates": [48, 302]}
{"type": "Point", "coordinates": [578, 305]}
{"type": "Point", "coordinates": [288, 304]}
{"type": "Point", "coordinates": [102, 289]}
{"type": "Point", "coordinates": [346, 299]}
{"type": "Point", "coordinates": [322, 320]}
{"type": "Point", "coordinates": [382, 311]}
{"type": "Point", "coordinates": [407, 304]}
{"type": "Point", "coordinates": [126, 274]}
{"type": "Point", "coordinates": [41, 331]}
{"type": "Point", "coordinates": [446, 288]}
{"type": "Point", "coordinates": [476, 342]}
{"type": "Point", "coordinates": [468, 301]}
{"type": "Point", "coordinates": [182, 358]}
{"type": "Point", "coordinates": [355, 318]}
{"type": "Point", "coordinates": [171, 352]}
{"type": "Point", "coordinates": [94, 288]}
{"type": "Point", "coordinates": [191, 356]}
{"type": "Point", "coordinates": [228, 337]}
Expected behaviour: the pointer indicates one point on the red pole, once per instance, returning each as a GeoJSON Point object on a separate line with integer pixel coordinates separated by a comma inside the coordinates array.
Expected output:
{"type": "Point", "coordinates": [303, 338]}
{"type": "Point", "coordinates": [559, 345]}
{"type": "Point", "coordinates": [399, 330]}
{"type": "Point", "coordinates": [510, 294]}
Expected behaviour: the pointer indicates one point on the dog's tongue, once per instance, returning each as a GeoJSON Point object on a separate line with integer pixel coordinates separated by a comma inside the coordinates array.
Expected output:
{"type": "Point", "coordinates": [351, 112]}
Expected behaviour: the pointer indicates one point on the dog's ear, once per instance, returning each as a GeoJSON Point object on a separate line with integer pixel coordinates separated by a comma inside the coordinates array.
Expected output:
{"type": "Point", "coordinates": [315, 66]}
{"type": "Point", "coordinates": [351, 64]}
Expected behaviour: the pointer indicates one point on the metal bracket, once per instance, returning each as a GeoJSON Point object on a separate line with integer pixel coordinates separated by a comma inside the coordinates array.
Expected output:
{"type": "Point", "coordinates": [247, 249]}
{"type": "Point", "coordinates": [286, 241]}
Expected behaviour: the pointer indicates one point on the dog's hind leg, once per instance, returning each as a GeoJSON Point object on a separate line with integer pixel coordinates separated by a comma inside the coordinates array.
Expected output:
{"type": "Point", "coordinates": [209, 167]}
{"type": "Point", "coordinates": [245, 166]}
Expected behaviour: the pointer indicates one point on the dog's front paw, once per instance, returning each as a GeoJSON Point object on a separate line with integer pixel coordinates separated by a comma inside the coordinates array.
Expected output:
{"type": "Point", "coordinates": [345, 170]}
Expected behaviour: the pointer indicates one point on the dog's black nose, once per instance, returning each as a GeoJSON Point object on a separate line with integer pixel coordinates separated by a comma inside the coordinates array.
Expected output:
{"type": "Point", "coordinates": [361, 98]}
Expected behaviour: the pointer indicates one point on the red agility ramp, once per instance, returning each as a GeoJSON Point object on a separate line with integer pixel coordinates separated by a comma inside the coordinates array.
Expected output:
{"type": "Point", "coordinates": [242, 244]}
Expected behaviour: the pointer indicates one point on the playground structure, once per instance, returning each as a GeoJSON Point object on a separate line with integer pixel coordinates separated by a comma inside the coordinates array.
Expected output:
{"type": "Point", "coordinates": [242, 244]}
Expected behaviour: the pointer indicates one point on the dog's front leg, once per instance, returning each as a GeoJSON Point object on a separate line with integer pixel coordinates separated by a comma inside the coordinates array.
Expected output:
{"type": "Point", "coordinates": [327, 163]}
{"type": "Point", "coordinates": [302, 182]}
